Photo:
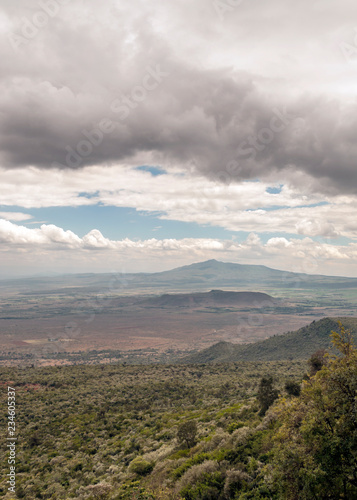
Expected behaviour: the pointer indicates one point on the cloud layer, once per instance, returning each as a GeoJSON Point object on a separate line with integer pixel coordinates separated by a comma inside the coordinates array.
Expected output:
{"type": "Point", "coordinates": [259, 207]}
{"type": "Point", "coordinates": [95, 252]}
{"type": "Point", "coordinates": [140, 83]}
{"type": "Point", "coordinates": [248, 109]}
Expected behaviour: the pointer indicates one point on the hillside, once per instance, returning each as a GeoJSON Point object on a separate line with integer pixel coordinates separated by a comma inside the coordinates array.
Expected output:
{"type": "Point", "coordinates": [181, 432]}
{"type": "Point", "coordinates": [292, 345]}
{"type": "Point", "coordinates": [83, 428]}
{"type": "Point", "coordinates": [214, 298]}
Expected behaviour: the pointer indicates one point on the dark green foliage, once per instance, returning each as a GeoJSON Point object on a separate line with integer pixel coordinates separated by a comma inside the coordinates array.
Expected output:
{"type": "Point", "coordinates": [266, 394]}
{"type": "Point", "coordinates": [208, 488]}
{"type": "Point", "coordinates": [315, 455]}
{"type": "Point", "coordinates": [186, 433]}
{"type": "Point", "coordinates": [317, 361]}
{"type": "Point", "coordinates": [293, 388]}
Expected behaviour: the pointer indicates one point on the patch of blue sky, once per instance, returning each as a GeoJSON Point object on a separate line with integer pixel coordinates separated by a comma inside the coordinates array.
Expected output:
{"type": "Point", "coordinates": [85, 194]}
{"type": "Point", "coordinates": [313, 205]}
{"type": "Point", "coordinates": [275, 189]}
{"type": "Point", "coordinates": [118, 223]}
{"type": "Point", "coordinates": [268, 209]}
{"type": "Point", "coordinates": [154, 171]}
{"type": "Point", "coordinates": [337, 241]}
{"type": "Point", "coordinates": [284, 207]}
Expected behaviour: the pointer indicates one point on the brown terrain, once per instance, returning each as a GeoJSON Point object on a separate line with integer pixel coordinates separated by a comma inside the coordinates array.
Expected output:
{"type": "Point", "coordinates": [179, 322]}
{"type": "Point", "coordinates": [171, 312]}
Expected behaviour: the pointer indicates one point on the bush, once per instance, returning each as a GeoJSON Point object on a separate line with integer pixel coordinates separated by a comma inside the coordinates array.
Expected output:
{"type": "Point", "coordinates": [234, 426]}
{"type": "Point", "coordinates": [235, 480]}
{"type": "Point", "coordinates": [202, 482]}
{"type": "Point", "coordinates": [100, 490]}
{"type": "Point", "coordinates": [140, 466]}
{"type": "Point", "coordinates": [293, 388]}
{"type": "Point", "coordinates": [195, 460]}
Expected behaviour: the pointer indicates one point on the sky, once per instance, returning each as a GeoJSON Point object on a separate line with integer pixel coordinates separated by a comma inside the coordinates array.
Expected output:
{"type": "Point", "coordinates": [141, 136]}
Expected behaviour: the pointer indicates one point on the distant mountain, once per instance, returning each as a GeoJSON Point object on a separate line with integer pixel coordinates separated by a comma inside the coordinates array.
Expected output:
{"type": "Point", "coordinates": [214, 298]}
{"type": "Point", "coordinates": [215, 274]}
{"type": "Point", "coordinates": [201, 276]}
{"type": "Point", "coordinates": [292, 345]}
{"type": "Point", "coordinates": [213, 271]}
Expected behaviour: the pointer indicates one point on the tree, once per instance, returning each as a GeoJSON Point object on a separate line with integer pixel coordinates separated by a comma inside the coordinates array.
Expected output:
{"type": "Point", "coordinates": [316, 445]}
{"type": "Point", "coordinates": [293, 388]}
{"type": "Point", "coordinates": [186, 433]}
{"type": "Point", "coordinates": [266, 394]}
{"type": "Point", "coordinates": [317, 361]}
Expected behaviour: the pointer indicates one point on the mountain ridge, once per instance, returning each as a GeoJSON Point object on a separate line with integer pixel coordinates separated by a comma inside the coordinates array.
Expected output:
{"type": "Point", "coordinates": [199, 276]}
{"type": "Point", "coordinates": [299, 344]}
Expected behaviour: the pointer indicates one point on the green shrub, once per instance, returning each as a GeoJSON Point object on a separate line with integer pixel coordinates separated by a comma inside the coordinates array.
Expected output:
{"type": "Point", "coordinates": [197, 459]}
{"type": "Point", "coordinates": [140, 466]}
{"type": "Point", "coordinates": [209, 487]}
{"type": "Point", "coordinates": [234, 426]}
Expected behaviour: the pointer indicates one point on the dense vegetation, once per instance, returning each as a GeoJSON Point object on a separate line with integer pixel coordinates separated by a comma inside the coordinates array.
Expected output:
{"type": "Point", "coordinates": [187, 432]}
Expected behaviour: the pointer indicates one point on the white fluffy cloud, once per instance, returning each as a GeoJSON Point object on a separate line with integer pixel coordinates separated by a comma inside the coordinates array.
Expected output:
{"type": "Point", "coordinates": [245, 206]}
{"type": "Point", "coordinates": [15, 216]}
{"type": "Point", "coordinates": [94, 252]}
{"type": "Point", "coordinates": [12, 234]}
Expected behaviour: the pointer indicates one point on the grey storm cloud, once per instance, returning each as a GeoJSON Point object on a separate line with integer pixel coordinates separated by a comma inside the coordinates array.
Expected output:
{"type": "Point", "coordinates": [102, 85]}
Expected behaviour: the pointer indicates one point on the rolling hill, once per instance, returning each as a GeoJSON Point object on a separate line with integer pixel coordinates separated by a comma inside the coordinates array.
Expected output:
{"type": "Point", "coordinates": [292, 345]}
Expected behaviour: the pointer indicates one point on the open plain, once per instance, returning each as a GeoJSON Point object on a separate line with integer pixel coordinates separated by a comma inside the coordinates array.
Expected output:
{"type": "Point", "coordinates": [86, 318]}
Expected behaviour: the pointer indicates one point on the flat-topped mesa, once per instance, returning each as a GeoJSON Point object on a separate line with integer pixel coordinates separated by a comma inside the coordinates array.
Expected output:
{"type": "Point", "coordinates": [214, 298]}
